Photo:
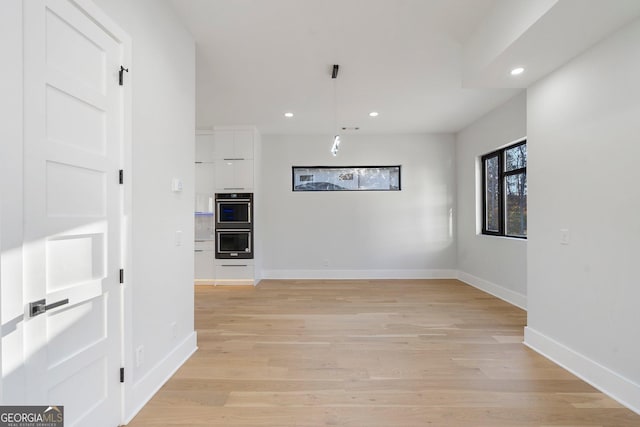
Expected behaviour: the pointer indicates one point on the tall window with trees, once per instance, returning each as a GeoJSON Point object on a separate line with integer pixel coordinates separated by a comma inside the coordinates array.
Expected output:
{"type": "Point", "coordinates": [504, 189]}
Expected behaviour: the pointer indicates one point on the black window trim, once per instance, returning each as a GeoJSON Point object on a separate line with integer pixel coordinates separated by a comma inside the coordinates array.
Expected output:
{"type": "Point", "coordinates": [503, 174]}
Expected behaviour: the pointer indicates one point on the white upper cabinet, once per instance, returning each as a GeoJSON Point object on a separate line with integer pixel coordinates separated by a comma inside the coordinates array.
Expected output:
{"type": "Point", "coordinates": [204, 148]}
{"type": "Point", "coordinates": [233, 144]}
{"type": "Point", "coordinates": [205, 178]}
{"type": "Point", "coordinates": [234, 175]}
{"type": "Point", "coordinates": [244, 174]}
{"type": "Point", "coordinates": [243, 144]}
{"type": "Point", "coordinates": [234, 159]}
{"type": "Point", "coordinates": [224, 144]}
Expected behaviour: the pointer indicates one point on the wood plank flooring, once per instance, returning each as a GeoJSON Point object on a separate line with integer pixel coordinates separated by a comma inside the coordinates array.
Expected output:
{"type": "Point", "coordinates": [369, 354]}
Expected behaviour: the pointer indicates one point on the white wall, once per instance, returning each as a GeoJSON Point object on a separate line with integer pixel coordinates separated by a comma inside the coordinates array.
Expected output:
{"type": "Point", "coordinates": [583, 298]}
{"type": "Point", "coordinates": [162, 74]}
{"type": "Point", "coordinates": [497, 265]}
{"type": "Point", "coordinates": [362, 234]}
{"type": "Point", "coordinates": [11, 146]}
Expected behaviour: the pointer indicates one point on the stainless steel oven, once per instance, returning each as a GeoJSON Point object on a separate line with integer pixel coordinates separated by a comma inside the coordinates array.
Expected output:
{"type": "Point", "coordinates": [234, 243]}
{"type": "Point", "coordinates": [234, 210]}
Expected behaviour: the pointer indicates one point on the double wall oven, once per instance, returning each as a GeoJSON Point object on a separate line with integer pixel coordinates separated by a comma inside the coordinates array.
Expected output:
{"type": "Point", "coordinates": [234, 225]}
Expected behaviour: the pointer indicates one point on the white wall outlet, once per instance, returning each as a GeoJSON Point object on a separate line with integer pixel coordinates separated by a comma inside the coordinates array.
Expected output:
{"type": "Point", "coordinates": [325, 263]}
{"type": "Point", "coordinates": [564, 236]}
{"type": "Point", "coordinates": [178, 238]}
{"type": "Point", "coordinates": [139, 356]}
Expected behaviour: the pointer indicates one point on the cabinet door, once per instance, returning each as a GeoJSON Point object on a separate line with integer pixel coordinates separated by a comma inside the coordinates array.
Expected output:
{"type": "Point", "coordinates": [233, 271]}
{"type": "Point", "coordinates": [204, 265]}
{"type": "Point", "coordinates": [243, 174]}
{"type": "Point", "coordinates": [243, 144]}
{"type": "Point", "coordinates": [205, 178]}
{"type": "Point", "coordinates": [234, 175]}
{"type": "Point", "coordinates": [204, 148]}
{"type": "Point", "coordinates": [224, 144]}
{"type": "Point", "coordinates": [225, 175]}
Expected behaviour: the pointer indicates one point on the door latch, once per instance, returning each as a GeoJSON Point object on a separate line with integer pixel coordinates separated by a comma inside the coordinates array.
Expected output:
{"type": "Point", "coordinates": [36, 308]}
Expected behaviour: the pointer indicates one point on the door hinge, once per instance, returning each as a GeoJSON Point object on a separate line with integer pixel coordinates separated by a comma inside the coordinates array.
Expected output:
{"type": "Point", "coordinates": [121, 176]}
{"type": "Point", "coordinates": [122, 275]}
{"type": "Point", "coordinates": [121, 76]}
{"type": "Point", "coordinates": [121, 375]}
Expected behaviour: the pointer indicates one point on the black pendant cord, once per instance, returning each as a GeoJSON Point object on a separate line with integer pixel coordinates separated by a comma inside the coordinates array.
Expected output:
{"type": "Point", "coordinates": [336, 137]}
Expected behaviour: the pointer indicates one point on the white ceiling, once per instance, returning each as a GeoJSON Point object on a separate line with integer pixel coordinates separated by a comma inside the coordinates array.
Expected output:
{"type": "Point", "coordinates": [257, 59]}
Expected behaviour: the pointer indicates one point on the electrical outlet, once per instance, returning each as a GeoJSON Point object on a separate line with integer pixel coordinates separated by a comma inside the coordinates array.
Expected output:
{"type": "Point", "coordinates": [325, 263]}
{"type": "Point", "coordinates": [564, 236]}
{"type": "Point", "coordinates": [178, 238]}
{"type": "Point", "coordinates": [139, 356]}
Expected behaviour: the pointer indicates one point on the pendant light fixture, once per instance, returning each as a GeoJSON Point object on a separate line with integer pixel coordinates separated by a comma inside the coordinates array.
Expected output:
{"type": "Point", "coordinates": [336, 138]}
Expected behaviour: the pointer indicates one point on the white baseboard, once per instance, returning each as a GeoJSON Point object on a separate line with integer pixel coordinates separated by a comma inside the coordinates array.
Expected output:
{"type": "Point", "coordinates": [614, 385]}
{"type": "Point", "coordinates": [208, 282]}
{"type": "Point", "coordinates": [501, 292]}
{"type": "Point", "coordinates": [240, 282]}
{"type": "Point", "coordinates": [358, 274]}
{"type": "Point", "coordinates": [143, 390]}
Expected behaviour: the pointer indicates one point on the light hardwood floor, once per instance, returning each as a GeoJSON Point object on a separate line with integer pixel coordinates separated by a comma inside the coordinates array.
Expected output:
{"type": "Point", "coordinates": [369, 354]}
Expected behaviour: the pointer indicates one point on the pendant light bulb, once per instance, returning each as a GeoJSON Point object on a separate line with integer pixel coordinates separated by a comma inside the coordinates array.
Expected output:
{"type": "Point", "coordinates": [336, 138]}
{"type": "Point", "coordinates": [336, 145]}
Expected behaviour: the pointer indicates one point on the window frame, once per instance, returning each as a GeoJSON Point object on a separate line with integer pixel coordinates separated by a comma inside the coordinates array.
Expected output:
{"type": "Point", "coordinates": [347, 170]}
{"type": "Point", "coordinates": [502, 174]}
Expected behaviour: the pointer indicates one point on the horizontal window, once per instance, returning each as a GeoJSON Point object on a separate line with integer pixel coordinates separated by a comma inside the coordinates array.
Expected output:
{"type": "Point", "coordinates": [346, 178]}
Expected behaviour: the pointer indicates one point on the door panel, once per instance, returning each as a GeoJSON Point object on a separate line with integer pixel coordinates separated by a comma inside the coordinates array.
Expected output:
{"type": "Point", "coordinates": [74, 330]}
{"type": "Point", "coordinates": [90, 380]}
{"type": "Point", "coordinates": [74, 191]}
{"type": "Point", "coordinates": [71, 52]}
{"type": "Point", "coordinates": [72, 251]}
{"type": "Point", "coordinates": [75, 259]}
{"type": "Point", "coordinates": [74, 121]}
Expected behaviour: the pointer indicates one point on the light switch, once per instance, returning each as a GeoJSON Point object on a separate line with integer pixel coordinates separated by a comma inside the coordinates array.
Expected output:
{"type": "Point", "coordinates": [176, 185]}
{"type": "Point", "coordinates": [564, 236]}
{"type": "Point", "coordinates": [178, 238]}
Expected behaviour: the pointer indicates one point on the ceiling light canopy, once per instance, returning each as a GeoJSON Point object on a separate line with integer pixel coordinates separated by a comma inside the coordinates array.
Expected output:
{"type": "Point", "coordinates": [517, 71]}
{"type": "Point", "coordinates": [288, 115]}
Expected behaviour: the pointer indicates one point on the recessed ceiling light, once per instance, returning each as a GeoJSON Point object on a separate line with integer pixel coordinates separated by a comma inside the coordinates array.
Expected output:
{"type": "Point", "coordinates": [288, 115]}
{"type": "Point", "coordinates": [517, 71]}
{"type": "Point", "coordinates": [373, 114]}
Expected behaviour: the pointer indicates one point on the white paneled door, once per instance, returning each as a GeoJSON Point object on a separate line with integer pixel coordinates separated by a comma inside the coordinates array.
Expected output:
{"type": "Point", "coordinates": [72, 251]}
